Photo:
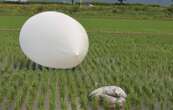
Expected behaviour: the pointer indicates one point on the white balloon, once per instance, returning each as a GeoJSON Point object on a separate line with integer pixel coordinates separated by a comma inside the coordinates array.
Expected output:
{"type": "Point", "coordinates": [54, 40]}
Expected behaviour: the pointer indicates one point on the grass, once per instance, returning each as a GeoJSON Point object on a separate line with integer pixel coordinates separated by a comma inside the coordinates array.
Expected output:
{"type": "Point", "coordinates": [12, 21]}
{"type": "Point", "coordinates": [135, 54]}
{"type": "Point", "coordinates": [102, 24]}
{"type": "Point", "coordinates": [128, 25]}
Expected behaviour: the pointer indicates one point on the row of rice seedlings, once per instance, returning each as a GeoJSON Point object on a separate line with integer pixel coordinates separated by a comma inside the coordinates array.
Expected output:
{"type": "Point", "coordinates": [43, 91]}
{"type": "Point", "coordinates": [94, 74]}
{"type": "Point", "coordinates": [82, 90]}
{"type": "Point", "coordinates": [7, 89]}
{"type": "Point", "coordinates": [84, 101]}
{"type": "Point", "coordinates": [21, 90]}
{"type": "Point", "coordinates": [73, 89]}
{"type": "Point", "coordinates": [81, 85]}
{"type": "Point", "coordinates": [10, 88]}
{"type": "Point", "coordinates": [4, 103]}
{"type": "Point", "coordinates": [89, 74]}
{"type": "Point", "coordinates": [1, 94]}
{"type": "Point", "coordinates": [95, 103]}
{"type": "Point", "coordinates": [63, 82]}
{"type": "Point", "coordinates": [2, 81]}
{"type": "Point", "coordinates": [32, 90]}
{"type": "Point", "coordinates": [77, 88]}
{"type": "Point", "coordinates": [63, 104]}
{"type": "Point", "coordinates": [19, 98]}
{"type": "Point", "coordinates": [89, 82]}
{"type": "Point", "coordinates": [14, 85]}
{"type": "Point", "coordinates": [64, 92]}
{"type": "Point", "coordinates": [101, 79]}
{"type": "Point", "coordinates": [52, 91]}
{"type": "Point", "coordinates": [63, 100]}
{"type": "Point", "coordinates": [145, 89]}
{"type": "Point", "coordinates": [18, 61]}
{"type": "Point", "coordinates": [58, 97]}
{"type": "Point", "coordinates": [37, 96]}
{"type": "Point", "coordinates": [41, 100]}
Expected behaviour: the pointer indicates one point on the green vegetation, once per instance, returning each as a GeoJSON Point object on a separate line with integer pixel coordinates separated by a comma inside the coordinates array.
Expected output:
{"type": "Point", "coordinates": [138, 11]}
{"type": "Point", "coordinates": [121, 1]}
{"type": "Point", "coordinates": [130, 50]}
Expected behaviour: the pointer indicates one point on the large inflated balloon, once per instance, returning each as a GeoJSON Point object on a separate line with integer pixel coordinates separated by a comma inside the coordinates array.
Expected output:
{"type": "Point", "coordinates": [53, 39]}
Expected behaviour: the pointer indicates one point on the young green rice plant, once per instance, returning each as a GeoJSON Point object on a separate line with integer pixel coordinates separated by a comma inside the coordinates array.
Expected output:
{"type": "Point", "coordinates": [63, 85]}
{"type": "Point", "coordinates": [117, 106]}
{"type": "Point", "coordinates": [84, 101]}
{"type": "Point", "coordinates": [95, 103]}
{"type": "Point", "coordinates": [73, 95]}
{"type": "Point", "coordinates": [19, 99]}
{"type": "Point", "coordinates": [43, 82]}
{"type": "Point", "coordinates": [63, 104]}
{"type": "Point", "coordinates": [52, 86]}
{"type": "Point", "coordinates": [73, 102]}
{"type": "Point", "coordinates": [127, 105]}
{"type": "Point", "coordinates": [1, 95]}
{"type": "Point", "coordinates": [41, 99]}
{"type": "Point", "coordinates": [29, 99]}
{"type": "Point", "coordinates": [82, 91]}
{"type": "Point", "coordinates": [32, 86]}
{"type": "Point", "coordinates": [21, 94]}
{"type": "Point", "coordinates": [41, 103]}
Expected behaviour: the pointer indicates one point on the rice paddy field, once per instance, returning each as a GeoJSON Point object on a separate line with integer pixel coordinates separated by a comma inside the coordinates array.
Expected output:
{"type": "Point", "coordinates": [135, 54]}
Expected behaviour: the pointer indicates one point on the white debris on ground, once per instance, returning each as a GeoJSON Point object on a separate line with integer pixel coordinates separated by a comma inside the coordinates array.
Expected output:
{"type": "Point", "coordinates": [91, 5]}
{"type": "Point", "coordinates": [112, 94]}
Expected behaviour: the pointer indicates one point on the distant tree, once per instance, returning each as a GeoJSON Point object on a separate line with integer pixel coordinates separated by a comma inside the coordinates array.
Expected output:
{"type": "Point", "coordinates": [72, 1]}
{"type": "Point", "coordinates": [121, 1]}
{"type": "Point", "coordinates": [80, 2]}
{"type": "Point", "coordinates": [94, 1]}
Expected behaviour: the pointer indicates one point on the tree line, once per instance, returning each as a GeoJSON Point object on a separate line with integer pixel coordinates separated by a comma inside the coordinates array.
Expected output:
{"type": "Point", "coordinates": [72, 1]}
{"type": "Point", "coordinates": [120, 1]}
